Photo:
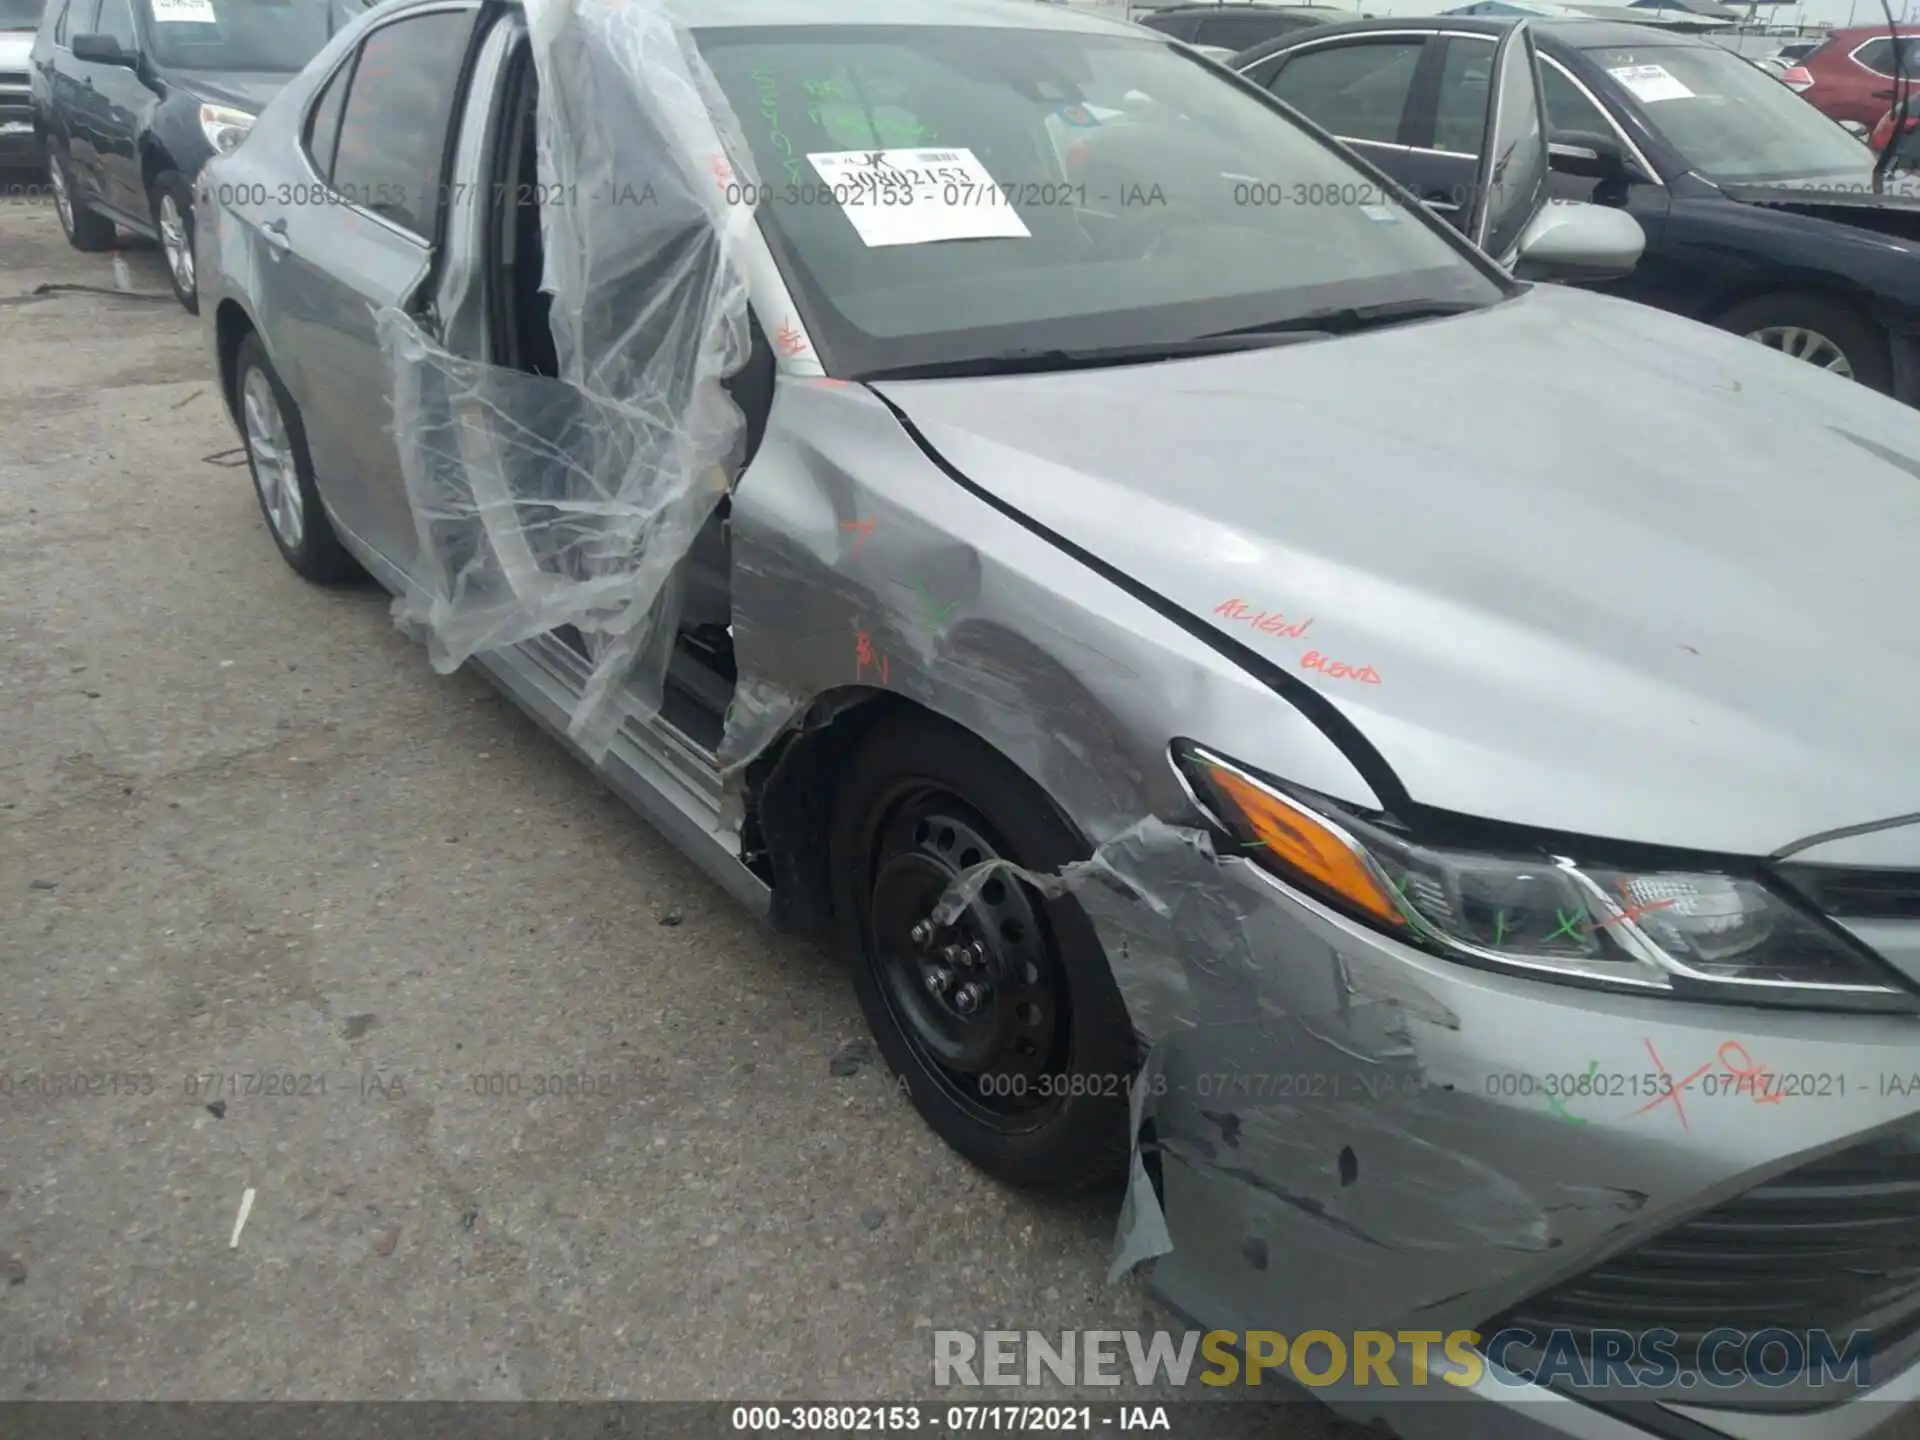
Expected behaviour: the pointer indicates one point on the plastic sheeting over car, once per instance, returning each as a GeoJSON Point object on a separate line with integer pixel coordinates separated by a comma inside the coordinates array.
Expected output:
{"type": "Point", "coordinates": [544, 502]}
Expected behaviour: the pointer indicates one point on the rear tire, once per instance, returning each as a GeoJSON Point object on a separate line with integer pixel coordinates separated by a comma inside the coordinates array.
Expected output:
{"type": "Point", "coordinates": [276, 445]}
{"type": "Point", "coordinates": [84, 229]}
{"type": "Point", "coordinates": [1031, 1084]}
{"type": "Point", "coordinates": [171, 200]}
{"type": "Point", "coordinates": [1822, 331]}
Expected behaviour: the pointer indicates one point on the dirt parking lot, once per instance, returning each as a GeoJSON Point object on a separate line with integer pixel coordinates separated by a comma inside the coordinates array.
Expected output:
{"type": "Point", "coordinates": [246, 832]}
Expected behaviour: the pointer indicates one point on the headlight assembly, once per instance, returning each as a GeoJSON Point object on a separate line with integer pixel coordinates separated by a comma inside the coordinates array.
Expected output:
{"type": "Point", "coordinates": [1723, 935]}
{"type": "Point", "coordinates": [224, 126]}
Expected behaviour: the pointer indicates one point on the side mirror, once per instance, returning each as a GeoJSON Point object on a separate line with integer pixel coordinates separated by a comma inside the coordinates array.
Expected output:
{"type": "Point", "coordinates": [1569, 240]}
{"type": "Point", "coordinates": [1586, 154]}
{"type": "Point", "coordinates": [103, 50]}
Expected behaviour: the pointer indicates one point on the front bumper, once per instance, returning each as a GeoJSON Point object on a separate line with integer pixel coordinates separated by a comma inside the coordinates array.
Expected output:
{"type": "Point", "coordinates": [1351, 1135]}
{"type": "Point", "coordinates": [19, 144]}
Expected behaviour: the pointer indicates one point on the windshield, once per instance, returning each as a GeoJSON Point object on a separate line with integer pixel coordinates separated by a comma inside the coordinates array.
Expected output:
{"type": "Point", "coordinates": [20, 14]}
{"type": "Point", "coordinates": [1728, 120]}
{"type": "Point", "coordinates": [935, 193]}
{"type": "Point", "coordinates": [277, 36]}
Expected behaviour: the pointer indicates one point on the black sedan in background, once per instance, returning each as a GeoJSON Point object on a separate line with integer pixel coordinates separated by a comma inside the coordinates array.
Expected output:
{"type": "Point", "coordinates": [130, 97]}
{"type": "Point", "coordinates": [1238, 26]}
{"type": "Point", "coordinates": [1759, 211]}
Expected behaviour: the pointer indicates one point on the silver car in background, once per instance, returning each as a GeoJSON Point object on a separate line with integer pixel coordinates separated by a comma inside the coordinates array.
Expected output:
{"type": "Point", "coordinates": [19, 20]}
{"type": "Point", "coordinates": [1413, 770]}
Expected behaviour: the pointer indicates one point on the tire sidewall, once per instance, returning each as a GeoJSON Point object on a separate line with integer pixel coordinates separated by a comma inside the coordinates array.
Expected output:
{"type": "Point", "coordinates": [1082, 1139]}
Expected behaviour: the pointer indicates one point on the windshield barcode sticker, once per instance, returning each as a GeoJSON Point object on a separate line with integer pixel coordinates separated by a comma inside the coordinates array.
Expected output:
{"type": "Point", "coordinates": [1649, 83]}
{"type": "Point", "coordinates": [918, 197]}
{"type": "Point", "coordinates": [184, 12]}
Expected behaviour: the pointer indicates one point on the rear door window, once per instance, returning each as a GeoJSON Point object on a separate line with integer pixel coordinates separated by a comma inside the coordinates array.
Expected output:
{"type": "Point", "coordinates": [1460, 119]}
{"type": "Point", "coordinates": [1358, 91]}
{"type": "Point", "coordinates": [323, 122]}
{"type": "Point", "coordinates": [1877, 55]}
{"type": "Point", "coordinates": [393, 131]}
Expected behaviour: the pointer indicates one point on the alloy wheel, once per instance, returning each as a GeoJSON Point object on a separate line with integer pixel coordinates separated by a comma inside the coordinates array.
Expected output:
{"type": "Point", "coordinates": [983, 1000]}
{"type": "Point", "coordinates": [176, 244]}
{"type": "Point", "coordinates": [1804, 344]}
{"type": "Point", "coordinates": [273, 465]}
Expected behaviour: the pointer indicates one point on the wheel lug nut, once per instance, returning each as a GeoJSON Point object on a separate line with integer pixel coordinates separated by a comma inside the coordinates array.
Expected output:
{"type": "Point", "coordinates": [922, 934]}
{"type": "Point", "coordinates": [969, 997]}
{"type": "Point", "coordinates": [979, 953]}
{"type": "Point", "coordinates": [957, 955]}
{"type": "Point", "coordinates": [938, 979]}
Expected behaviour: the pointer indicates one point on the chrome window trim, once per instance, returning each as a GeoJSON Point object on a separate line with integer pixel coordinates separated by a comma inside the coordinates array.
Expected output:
{"type": "Point", "coordinates": [1854, 54]}
{"type": "Point", "coordinates": [444, 7]}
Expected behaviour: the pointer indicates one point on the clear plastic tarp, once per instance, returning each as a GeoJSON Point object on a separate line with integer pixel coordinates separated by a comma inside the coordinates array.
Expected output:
{"type": "Point", "coordinates": [547, 502]}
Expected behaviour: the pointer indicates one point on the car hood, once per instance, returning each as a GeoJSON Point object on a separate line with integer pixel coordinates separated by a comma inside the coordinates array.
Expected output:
{"type": "Point", "coordinates": [245, 90]}
{"type": "Point", "coordinates": [1588, 566]}
{"type": "Point", "coordinates": [1850, 199]}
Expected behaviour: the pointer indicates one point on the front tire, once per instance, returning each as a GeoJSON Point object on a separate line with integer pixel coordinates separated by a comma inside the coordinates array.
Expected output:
{"type": "Point", "coordinates": [84, 230]}
{"type": "Point", "coordinates": [276, 445]}
{"type": "Point", "coordinates": [1812, 328]}
{"type": "Point", "coordinates": [1007, 1028]}
{"type": "Point", "coordinates": [171, 199]}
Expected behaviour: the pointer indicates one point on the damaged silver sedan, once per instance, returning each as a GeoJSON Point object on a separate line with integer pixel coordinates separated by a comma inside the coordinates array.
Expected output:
{"type": "Point", "coordinates": [1415, 771]}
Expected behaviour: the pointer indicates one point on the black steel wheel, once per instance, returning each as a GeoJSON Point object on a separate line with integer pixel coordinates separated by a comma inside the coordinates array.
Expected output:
{"type": "Point", "coordinates": [1006, 1023]}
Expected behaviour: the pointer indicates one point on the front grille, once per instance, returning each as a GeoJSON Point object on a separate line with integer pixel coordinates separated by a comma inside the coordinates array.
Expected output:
{"type": "Point", "coordinates": [13, 80]}
{"type": "Point", "coordinates": [1857, 894]}
{"type": "Point", "coordinates": [1832, 1246]}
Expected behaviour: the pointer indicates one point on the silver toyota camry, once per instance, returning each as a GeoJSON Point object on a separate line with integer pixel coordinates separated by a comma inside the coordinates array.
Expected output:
{"type": "Point", "coordinates": [1408, 771]}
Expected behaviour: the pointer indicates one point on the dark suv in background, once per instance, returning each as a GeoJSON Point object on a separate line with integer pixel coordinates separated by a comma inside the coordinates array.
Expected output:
{"type": "Point", "coordinates": [18, 20]}
{"type": "Point", "coordinates": [130, 98]}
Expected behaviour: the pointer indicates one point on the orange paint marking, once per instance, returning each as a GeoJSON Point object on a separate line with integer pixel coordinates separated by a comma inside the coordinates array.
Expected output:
{"type": "Point", "coordinates": [1338, 669]}
{"type": "Point", "coordinates": [790, 340]}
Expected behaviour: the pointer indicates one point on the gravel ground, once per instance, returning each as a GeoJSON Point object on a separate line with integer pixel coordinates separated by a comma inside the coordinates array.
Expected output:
{"type": "Point", "coordinates": [245, 831]}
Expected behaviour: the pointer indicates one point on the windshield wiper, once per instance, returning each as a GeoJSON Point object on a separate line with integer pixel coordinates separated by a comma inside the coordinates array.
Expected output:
{"type": "Point", "coordinates": [1038, 361]}
{"type": "Point", "coordinates": [1346, 319]}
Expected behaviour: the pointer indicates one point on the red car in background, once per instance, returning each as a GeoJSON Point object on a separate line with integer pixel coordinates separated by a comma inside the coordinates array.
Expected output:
{"type": "Point", "coordinates": [1850, 75]}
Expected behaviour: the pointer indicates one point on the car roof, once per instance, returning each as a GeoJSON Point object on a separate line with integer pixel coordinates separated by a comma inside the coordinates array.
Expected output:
{"type": "Point", "coordinates": [1554, 33]}
{"type": "Point", "coordinates": [1241, 7]}
{"type": "Point", "coordinates": [1866, 32]}
{"type": "Point", "coordinates": [1009, 14]}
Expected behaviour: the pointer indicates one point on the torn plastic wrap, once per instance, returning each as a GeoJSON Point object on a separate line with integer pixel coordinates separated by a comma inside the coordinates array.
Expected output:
{"type": "Point", "coordinates": [541, 502]}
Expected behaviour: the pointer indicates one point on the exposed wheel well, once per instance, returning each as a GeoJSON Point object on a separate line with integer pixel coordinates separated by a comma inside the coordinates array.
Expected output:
{"type": "Point", "coordinates": [231, 327]}
{"type": "Point", "coordinates": [1727, 304]}
{"type": "Point", "coordinates": [791, 790]}
{"type": "Point", "coordinates": [153, 160]}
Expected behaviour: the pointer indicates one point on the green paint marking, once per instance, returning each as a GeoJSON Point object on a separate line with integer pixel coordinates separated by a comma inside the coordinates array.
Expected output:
{"type": "Point", "coordinates": [1499, 927]}
{"type": "Point", "coordinates": [1567, 927]}
{"type": "Point", "coordinates": [939, 613]}
{"type": "Point", "coordinates": [1558, 1105]}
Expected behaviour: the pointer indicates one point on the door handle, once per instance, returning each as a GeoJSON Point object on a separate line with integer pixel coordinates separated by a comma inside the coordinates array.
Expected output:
{"type": "Point", "coordinates": [274, 232]}
{"type": "Point", "coordinates": [1439, 201]}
